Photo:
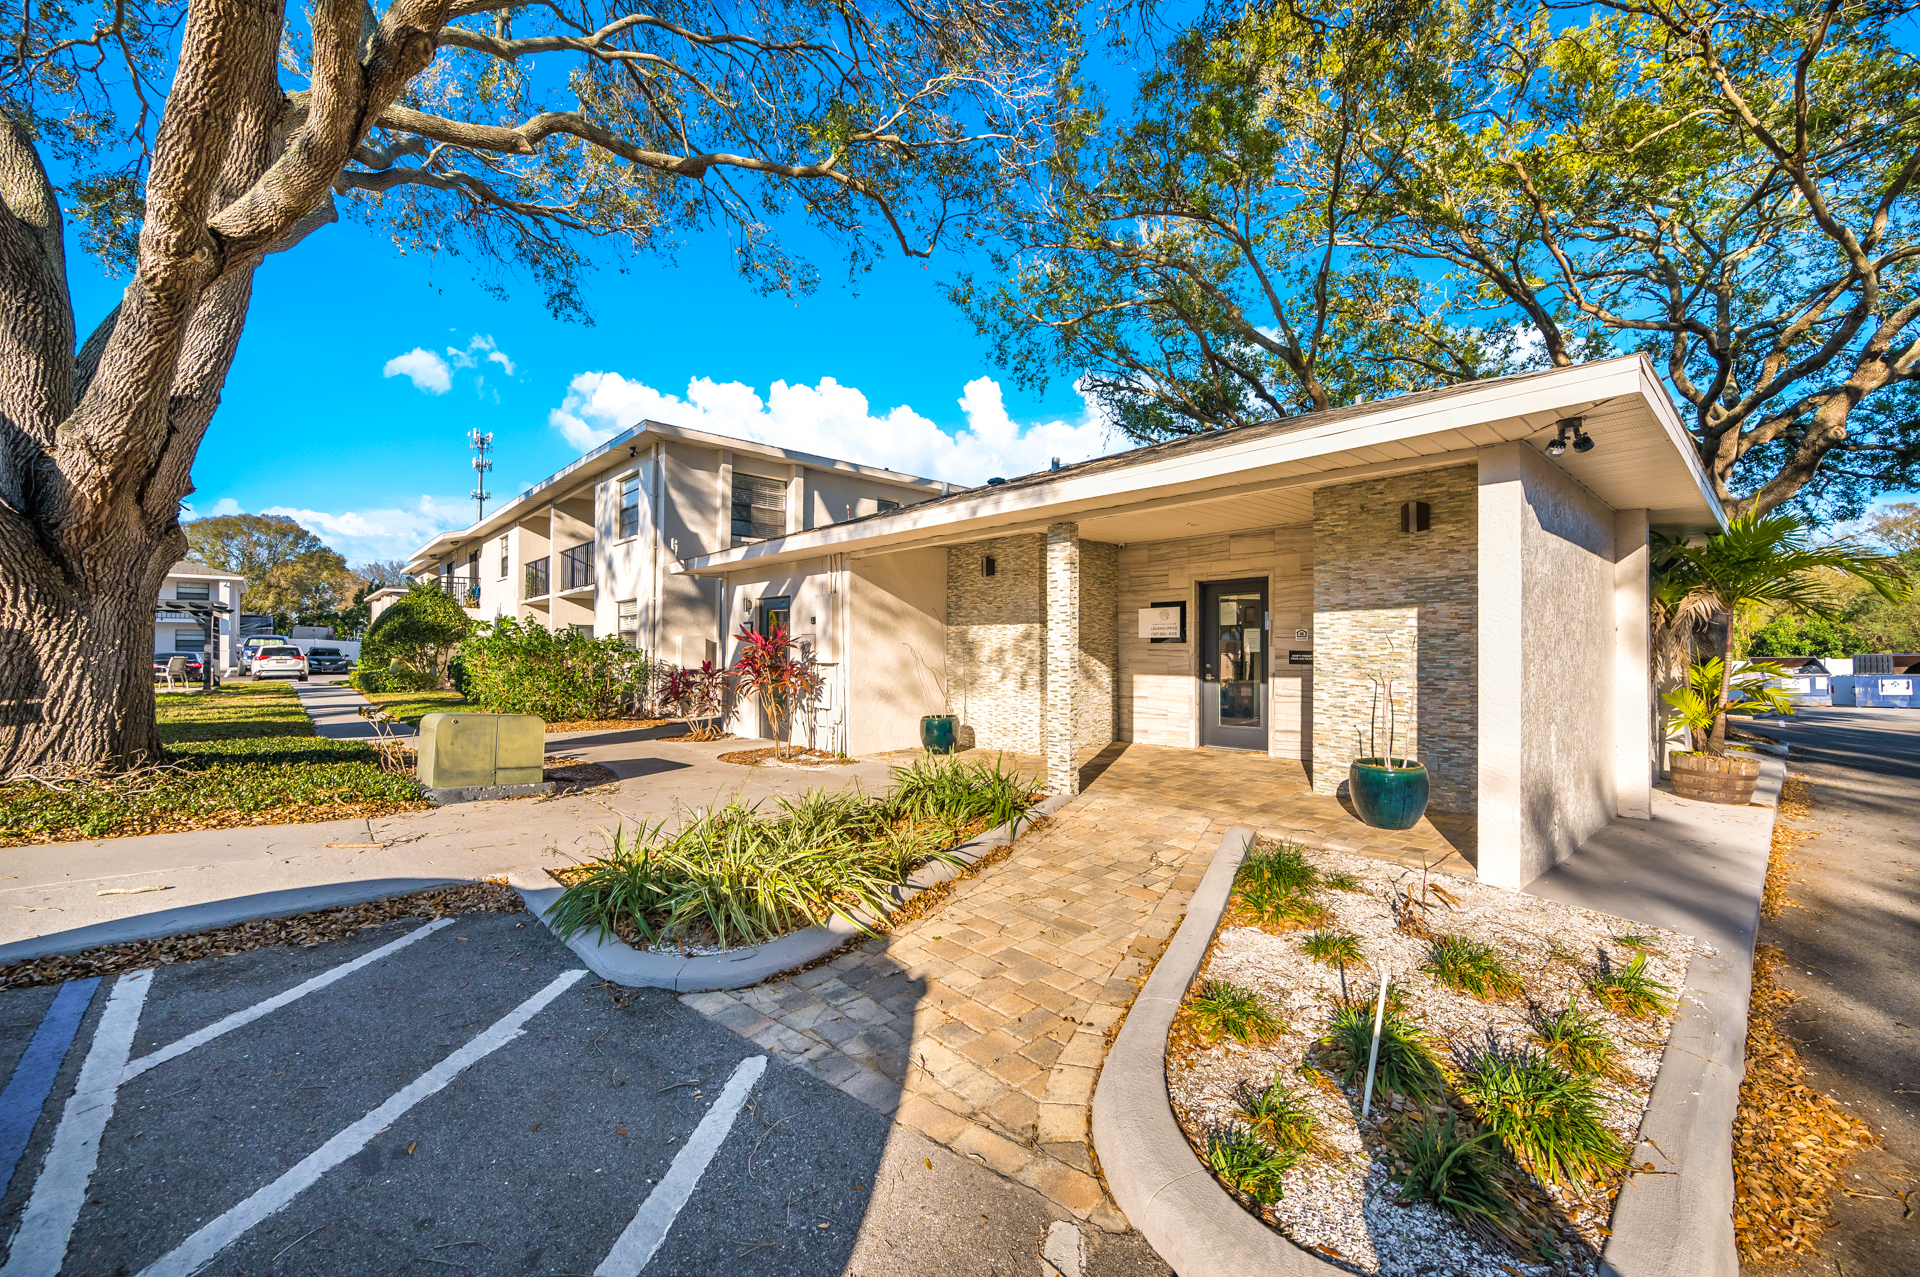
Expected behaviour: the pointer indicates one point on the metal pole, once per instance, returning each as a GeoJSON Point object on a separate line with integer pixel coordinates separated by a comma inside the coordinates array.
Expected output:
{"type": "Point", "coordinates": [1373, 1054]}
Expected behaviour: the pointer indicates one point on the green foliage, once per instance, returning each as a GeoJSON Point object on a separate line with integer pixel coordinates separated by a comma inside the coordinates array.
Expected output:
{"type": "Point", "coordinates": [1336, 949]}
{"type": "Point", "coordinates": [419, 632]}
{"type": "Point", "coordinates": [960, 795]}
{"type": "Point", "coordinates": [1548, 1119]}
{"type": "Point", "coordinates": [410, 707]}
{"type": "Point", "coordinates": [1343, 882]}
{"type": "Point", "coordinates": [515, 668]}
{"type": "Point", "coordinates": [1466, 964]}
{"type": "Point", "coordinates": [1574, 1040]}
{"type": "Point", "coordinates": [1408, 1066]}
{"type": "Point", "coordinates": [392, 679]}
{"type": "Point", "coordinates": [1246, 1165]}
{"type": "Point", "coordinates": [235, 710]}
{"type": "Point", "coordinates": [745, 874]}
{"type": "Point", "coordinates": [1225, 1009]}
{"type": "Point", "coordinates": [1711, 693]}
{"type": "Point", "coordinates": [1630, 991]}
{"type": "Point", "coordinates": [1638, 943]}
{"type": "Point", "coordinates": [1283, 1119]}
{"type": "Point", "coordinates": [1277, 888]}
{"type": "Point", "coordinates": [1443, 1162]}
{"type": "Point", "coordinates": [1791, 635]}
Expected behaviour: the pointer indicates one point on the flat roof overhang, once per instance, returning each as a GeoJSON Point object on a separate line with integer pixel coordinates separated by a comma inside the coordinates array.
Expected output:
{"type": "Point", "coordinates": [1644, 460]}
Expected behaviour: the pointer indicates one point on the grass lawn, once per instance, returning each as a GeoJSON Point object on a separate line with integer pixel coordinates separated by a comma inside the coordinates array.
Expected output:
{"type": "Point", "coordinates": [243, 755]}
{"type": "Point", "coordinates": [411, 707]}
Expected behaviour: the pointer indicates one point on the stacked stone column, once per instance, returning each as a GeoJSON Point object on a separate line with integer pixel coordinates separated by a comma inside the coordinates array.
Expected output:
{"type": "Point", "coordinates": [1063, 654]}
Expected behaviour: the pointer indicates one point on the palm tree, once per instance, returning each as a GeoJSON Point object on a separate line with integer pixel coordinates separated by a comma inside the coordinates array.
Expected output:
{"type": "Point", "coordinates": [1769, 558]}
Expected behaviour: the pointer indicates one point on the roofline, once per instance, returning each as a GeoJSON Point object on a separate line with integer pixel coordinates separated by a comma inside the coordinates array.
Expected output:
{"type": "Point", "coordinates": [989, 509]}
{"type": "Point", "coordinates": [632, 437]}
{"type": "Point", "coordinates": [203, 570]}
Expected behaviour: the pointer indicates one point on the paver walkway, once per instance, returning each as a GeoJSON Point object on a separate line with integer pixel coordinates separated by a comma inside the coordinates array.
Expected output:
{"type": "Point", "coordinates": [983, 1023]}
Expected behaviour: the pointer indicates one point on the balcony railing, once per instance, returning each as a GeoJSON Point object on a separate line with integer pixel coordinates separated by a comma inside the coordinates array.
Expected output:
{"type": "Point", "coordinates": [576, 567]}
{"type": "Point", "coordinates": [464, 588]}
{"type": "Point", "coordinates": [538, 581]}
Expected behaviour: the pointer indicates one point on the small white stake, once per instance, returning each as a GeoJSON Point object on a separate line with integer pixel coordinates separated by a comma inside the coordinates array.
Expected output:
{"type": "Point", "coordinates": [1373, 1055]}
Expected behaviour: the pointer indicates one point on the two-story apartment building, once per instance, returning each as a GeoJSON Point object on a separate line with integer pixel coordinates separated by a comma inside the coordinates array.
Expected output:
{"type": "Point", "coordinates": [592, 546]}
{"type": "Point", "coordinates": [182, 629]}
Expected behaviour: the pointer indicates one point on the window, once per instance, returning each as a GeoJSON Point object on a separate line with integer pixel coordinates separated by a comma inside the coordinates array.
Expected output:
{"type": "Point", "coordinates": [189, 641]}
{"type": "Point", "coordinates": [504, 561]}
{"type": "Point", "coordinates": [630, 506]}
{"type": "Point", "coordinates": [628, 625]}
{"type": "Point", "coordinates": [192, 590]}
{"type": "Point", "coordinates": [584, 631]}
{"type": "Point", "coordinates": [759, 508]}
{"type": "Point", "coordinates": [776, 614]}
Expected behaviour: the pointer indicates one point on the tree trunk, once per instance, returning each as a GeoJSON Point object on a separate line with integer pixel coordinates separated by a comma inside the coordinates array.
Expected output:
{"type": "Point", "coordinates": [76, 658]}
{"type": "Point", "coordinates": [1719, 641]}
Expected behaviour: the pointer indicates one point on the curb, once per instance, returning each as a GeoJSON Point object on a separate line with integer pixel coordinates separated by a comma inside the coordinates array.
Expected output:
{"type": "Point", "coordinates": [1156, 1180]}
{"type": "Point", "coordinates": [610, 958]}
{"type": "Point", "coordinates": [1679, 1223]}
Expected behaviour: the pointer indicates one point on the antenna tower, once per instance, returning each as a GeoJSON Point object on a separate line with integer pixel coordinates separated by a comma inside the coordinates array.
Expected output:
{"type": "Point", "coordinates": [482, 444]}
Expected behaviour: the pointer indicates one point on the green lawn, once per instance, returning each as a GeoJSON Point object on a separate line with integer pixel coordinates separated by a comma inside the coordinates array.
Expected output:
{"type": "Point", "coordinates": [411, 707]}
{"type": "Point", "coordinates": [244, 755]}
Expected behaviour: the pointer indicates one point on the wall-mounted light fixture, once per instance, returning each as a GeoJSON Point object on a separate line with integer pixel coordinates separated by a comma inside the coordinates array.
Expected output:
{"type": "Point", "coordinates": [1416, 516]}
{"type": "Point", "coordinates": [1570, 426]}
{"type": "Point", "coordinates": [987, 566]}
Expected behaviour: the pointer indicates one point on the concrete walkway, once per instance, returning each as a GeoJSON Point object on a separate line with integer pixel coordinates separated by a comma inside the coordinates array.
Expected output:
{"type": "Point", "coordinates": [335, 710]}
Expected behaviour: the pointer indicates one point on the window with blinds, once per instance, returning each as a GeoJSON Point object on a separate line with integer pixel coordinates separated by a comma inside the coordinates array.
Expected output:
{"type": "Point", "coordinates": [630, 506]}
{"type": "Point", "coordinates": [759, 508]}
{"type": "Point", "coordinates": [628, 625]}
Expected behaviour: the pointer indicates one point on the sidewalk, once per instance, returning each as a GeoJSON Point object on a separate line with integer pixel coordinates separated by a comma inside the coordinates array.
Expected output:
{"type": "Point", "coordinates": [335, 711]}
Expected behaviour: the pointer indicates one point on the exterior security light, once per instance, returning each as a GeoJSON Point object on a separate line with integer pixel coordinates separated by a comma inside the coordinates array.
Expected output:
{"type": "Point", "coordinates": [1557, 449]}
{"type": "Point", "coordinates": [1569, 430]}
{"type": "Point", "coordinates": [1583, 443]}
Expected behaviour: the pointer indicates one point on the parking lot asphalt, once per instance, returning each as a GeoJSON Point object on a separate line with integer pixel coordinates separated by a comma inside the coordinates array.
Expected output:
{"type": "Point", "coordinates": [462, 1097]}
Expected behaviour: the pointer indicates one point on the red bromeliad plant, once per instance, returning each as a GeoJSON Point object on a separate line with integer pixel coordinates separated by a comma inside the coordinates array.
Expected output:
{"type": "Point", "coordinates": [770, 668]}
{"type": "Point", "coordinates": [700, 697]}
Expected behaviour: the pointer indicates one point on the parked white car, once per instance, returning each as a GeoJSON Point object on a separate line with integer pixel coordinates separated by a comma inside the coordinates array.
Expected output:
{"type": "Point", "coordinates": [279, 662]}
{"type": "Point", "coordinates": [254, 642]}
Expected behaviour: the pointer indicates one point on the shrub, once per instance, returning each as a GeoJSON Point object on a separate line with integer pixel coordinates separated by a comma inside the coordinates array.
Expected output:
{"type": "Point", "coordinates": [1277, 889]}
{"type": "Point", "coordinates": [1223, 1008]}
{"type": "Point", "coordinates": [960, 794]}
{"type": "Point", "coordinates": [1279, 1115]}
{"type": "Point", "coordinates": [699, 696]}
{"type": "Point", "coordinates": [1334, 948]}
{"type": "Point", "coordinates": [1471, 967]}
{"type": "Point", "coordinates": [773, 670]}
{"type": "Point", "coordinates": [1548, 1119]}
{"type": "Point", "coordinates": [1407, 1066]}
{"type": "Point", "coordinates": [367, 679]}
{"type": "Point", "coordinates": [420, 631]}
{"type": "Point", "coordinates": [1247, 1165]}
{"type": "Point", "coordinates": [1631, 991]}
{"type": "Point", "coordinates": [1343, 882]}
{"type": "Point", "coordinates": [515, 668]}
{"type": "Point", "coordinates": [1444, 1163]}
{"type": "Point", "coordinates": [1574, 1040]}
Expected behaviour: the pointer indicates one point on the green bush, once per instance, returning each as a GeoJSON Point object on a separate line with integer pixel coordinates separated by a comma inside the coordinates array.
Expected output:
{"type": "Point", "coordinates": [1407, 1065]}
{"type": "Point", "coordinates": [1244, 1163]}
{"type": "Point", "coordinates": [1282, 1117]}
{"type": "Point", "coordinates": [960, 794]}
{"type": "Point", "coordinates": [368, 679]}
{"type": "Point", "coordinates": [1223, 1008]}
{"type": "Point", "coordinates": [1276, 888]}
{"type": "Point", "coordinates": [420, 631]}
{"type": "Point", "coordinates": [1548, 1119]}
{"type": "Point", "coordinates": [1444, 1163]}
{"type": "Point", "coordinates": [512, 668]}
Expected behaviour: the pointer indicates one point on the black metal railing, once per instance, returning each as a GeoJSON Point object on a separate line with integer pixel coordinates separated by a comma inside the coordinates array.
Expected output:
{"type": "Point", "coordinates": [576, 567]}
{"type": "Point", "coordinates": [464, 588]}
{"type": "Point", "coordinates": [538, 581]}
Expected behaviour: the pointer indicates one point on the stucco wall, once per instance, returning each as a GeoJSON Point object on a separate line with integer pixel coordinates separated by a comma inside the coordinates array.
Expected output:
{"type": "Point", "coordinates": [1399, 605]}
{"type": "Point", "coordinates": [1551, 776]}
{"type": "Point", "coordinates": [897, 649]}
{"type": "Point", "coordinates": [809, 585]}
{"type": "Point", "coordinates": [996, 659]}
{"type": "Point", "coordinates": [1158, 694]}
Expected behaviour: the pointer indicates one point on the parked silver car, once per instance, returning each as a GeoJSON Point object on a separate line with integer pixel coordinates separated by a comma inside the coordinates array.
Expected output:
{"type": "Point", "coordinates": [279, 662]}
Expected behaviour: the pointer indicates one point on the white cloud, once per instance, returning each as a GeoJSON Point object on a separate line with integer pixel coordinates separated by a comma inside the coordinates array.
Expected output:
{"type": "Point", "coordinates": [837, 421]}
{"type": "Point", "coordinates": [427, 370]}
{"type": "Point", "coordinates": [360, 535]}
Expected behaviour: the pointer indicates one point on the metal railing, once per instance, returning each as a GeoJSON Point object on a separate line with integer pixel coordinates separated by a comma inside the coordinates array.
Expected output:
{"type": "Point", "coordinates": [464, 588]}
{"type": "Point", "coordinates": [576, 567]}
{"type": "Point", "coordinates": [538, 581]}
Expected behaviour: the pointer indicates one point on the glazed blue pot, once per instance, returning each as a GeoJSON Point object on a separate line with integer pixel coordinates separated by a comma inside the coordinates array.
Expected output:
{"type": "Point", "coordinates": [1388, 797]}
{"type": "Point", "coordinates": [938, 733]}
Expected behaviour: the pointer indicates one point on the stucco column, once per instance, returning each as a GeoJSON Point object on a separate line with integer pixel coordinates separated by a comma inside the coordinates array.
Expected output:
{"type": "Point", "coordinates": [1501, 724]}
{"type": "Point", "coordinates": [1063, 650]}
{"type": "Point", "coordinates": [1632, 670]}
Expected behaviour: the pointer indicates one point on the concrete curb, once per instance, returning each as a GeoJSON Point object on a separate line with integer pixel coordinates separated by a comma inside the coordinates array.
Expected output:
{"type": "Point", "coordinates": [1161, 1187]}
{"type": "Point", "coordinates": [1678, 1222]}
{"type": "Point", "coordinates": [612, 959]}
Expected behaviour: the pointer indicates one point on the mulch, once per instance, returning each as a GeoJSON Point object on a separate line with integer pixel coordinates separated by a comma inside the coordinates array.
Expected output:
{"type": "Point", "coordinates": [809, 757]}
{"type": "Point", "coordinates": [303, 929]}
{"type": "Point", "coordinates": [608, 724]}
{"type": "Point", "coordinates": [574, 777]}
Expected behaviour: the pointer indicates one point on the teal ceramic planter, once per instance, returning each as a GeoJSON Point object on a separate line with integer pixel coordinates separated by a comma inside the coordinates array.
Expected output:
{"type": "Point", "coordinates": [938, 732]}
{"type": "Point", "coordinates": [1388, 797]}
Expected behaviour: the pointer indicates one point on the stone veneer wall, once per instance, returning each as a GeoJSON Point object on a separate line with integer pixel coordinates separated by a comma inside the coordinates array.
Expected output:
{"type": "Point", "coordinates": [1403, 605]}
{"type": "Point", "coordinates": [996, 643]}
{"type": "Point", "coordinates": [1094, 710]}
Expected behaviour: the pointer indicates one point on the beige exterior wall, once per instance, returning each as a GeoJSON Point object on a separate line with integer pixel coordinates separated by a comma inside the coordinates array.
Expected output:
{"type": "Point", "coordinates": [1095, 713]}
{"type": "Point", "coordinates": [896, 618]}
{"type": "Point", "coordinates": [1159, 691]}
{"type": "Point", "coordinates": [1401, 606]}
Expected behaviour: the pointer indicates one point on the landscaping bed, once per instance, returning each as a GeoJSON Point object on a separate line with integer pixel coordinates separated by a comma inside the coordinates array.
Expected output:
{"type": "Point", "coordinates": [743, 874]}
{"type": "Point", "coordinates": [243, 755]}
{"type": "Point", "coordinates": [795, 756]}
{"type": "Point", "coordinates": [1521, 1041]}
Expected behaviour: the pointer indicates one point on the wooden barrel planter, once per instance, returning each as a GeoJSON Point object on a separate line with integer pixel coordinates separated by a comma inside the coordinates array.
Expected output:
{"type": "Point", "coordinates": [1707, 779]}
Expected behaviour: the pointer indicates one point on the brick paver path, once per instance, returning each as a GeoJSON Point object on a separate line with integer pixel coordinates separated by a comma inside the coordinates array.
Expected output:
{"type": "Point", "coordinates": [983, 1023]}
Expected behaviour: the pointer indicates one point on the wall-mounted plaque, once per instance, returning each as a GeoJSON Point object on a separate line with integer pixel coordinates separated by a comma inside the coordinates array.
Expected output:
{"type": "Point", "coordinates": [1297, 657]}
{"type": "Point", "coordinates": [1302, 635]}
{"type": "Point", "coordinates": [1164, 623]}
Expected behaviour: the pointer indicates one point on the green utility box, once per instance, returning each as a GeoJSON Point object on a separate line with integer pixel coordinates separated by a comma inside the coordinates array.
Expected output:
{"type": "Point", "coordinates": [481, 751]}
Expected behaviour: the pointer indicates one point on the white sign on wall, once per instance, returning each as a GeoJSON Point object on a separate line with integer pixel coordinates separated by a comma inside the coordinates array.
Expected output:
{"type": "Point", "coordinates": [1896, 687]}
{"type": "Point", "coordinates": [1160, 622]}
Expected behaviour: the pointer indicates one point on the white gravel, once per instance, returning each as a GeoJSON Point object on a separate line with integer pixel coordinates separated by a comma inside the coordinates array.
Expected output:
{"type": "Point", "coordinates": [1343, 1206]}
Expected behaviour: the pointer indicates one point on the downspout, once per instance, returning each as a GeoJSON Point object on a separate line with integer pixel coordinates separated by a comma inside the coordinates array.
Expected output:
{"type": "Point", "coordinates": [657, 525]}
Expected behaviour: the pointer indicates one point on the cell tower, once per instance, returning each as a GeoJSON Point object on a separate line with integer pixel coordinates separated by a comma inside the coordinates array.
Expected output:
{"type": "Point", "coordinates": [482, 444]}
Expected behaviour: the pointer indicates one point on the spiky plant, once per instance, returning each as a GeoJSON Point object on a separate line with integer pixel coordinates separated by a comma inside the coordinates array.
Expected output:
{"type": "Point", "coordinates": [1574, 1040]}
{"type": "Point", "coordinates": [1224, 1009]}
{"type": "Point", "coordinates": [1278, 889]}
{"type": "Point", "coordinates": [1630, 991]}
{"type": "Point", "coordinates": [1281, 1116]}
{"type": "Point", "coordinates": [1445, 1163]}
{"type": "Point", "coordinates": [1334, 948]}
{"type": "Point", "coordinates": [1466, 964]}
{"type": "Point", "coordinates": [1247, 1165]}
{"type": "Point", "coordinates": [1343, 882]}
{"type": "Point", "coordinates": [1548, 1119]}
{"type": "Point", "coordinates": [1407, 1064]}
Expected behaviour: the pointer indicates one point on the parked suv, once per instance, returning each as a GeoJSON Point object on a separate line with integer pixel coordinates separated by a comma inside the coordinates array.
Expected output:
{"type": "Point", "coordinates": [253, 645]}
{"type": "Point", "coordinates": [328, 660]}
{"type": "Point", "coordinates": [279, 662]}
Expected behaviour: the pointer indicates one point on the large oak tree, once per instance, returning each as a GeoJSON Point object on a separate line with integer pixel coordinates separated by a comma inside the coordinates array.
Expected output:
{"type": "Point", "coordinates": [190, 141]}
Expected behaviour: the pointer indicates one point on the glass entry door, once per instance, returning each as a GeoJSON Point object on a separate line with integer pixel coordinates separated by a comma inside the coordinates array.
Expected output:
{"type": "Point", "coordinates": [1233, 664]}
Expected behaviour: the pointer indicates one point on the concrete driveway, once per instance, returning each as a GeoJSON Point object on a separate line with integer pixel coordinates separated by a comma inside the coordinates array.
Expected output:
{"type": "Point", "coordinates": [1853, 948]}
{"type": "Point", "coordinates": [460, 1096]}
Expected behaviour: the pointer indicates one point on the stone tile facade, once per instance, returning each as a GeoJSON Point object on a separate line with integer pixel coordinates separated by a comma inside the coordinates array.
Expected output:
{"type": "Point", "coordinates": [1399, 605]}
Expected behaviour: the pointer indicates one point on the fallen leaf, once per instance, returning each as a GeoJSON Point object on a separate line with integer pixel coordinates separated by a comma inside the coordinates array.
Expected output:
{"type": "Point", "coordinates": [411, 1147]}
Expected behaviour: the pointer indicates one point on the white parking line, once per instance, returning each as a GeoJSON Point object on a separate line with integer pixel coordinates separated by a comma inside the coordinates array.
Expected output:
{"type": "Point", "coordinates": [40, 1247]}
{"type": "Point", "coordinates": [274, 1003]}
{"type": "Point", "coordinates": [656, 1215]}
{"type": "Point", "coordinates": [198, 1250]}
